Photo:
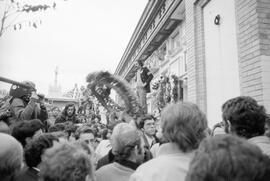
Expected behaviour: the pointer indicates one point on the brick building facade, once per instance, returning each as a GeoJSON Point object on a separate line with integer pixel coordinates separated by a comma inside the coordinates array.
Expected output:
{"type": "Point", "coordinates": [219, 49]}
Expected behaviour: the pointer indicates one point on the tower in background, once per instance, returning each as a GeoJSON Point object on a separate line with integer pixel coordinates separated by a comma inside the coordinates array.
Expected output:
{"type": "Point", "coordinates": [55, 89]}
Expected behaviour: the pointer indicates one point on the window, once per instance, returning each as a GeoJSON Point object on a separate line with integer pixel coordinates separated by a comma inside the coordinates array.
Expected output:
{"type": "Point", "coordinates": [183, 64]}
{"type": "Point", "coordinates": [175, 41]}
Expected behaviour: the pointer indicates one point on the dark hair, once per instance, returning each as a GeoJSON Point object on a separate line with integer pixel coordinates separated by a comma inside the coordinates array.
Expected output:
{"type": "Point", "coordinates": [25, 129]}
{"type": "Point", "coordinates": [55, 107]}
{"type": "Point", "coordinates": [144, 118]}
{"type": "Point", "coordinates": [247, 118]}
{"type": "Point", "coordinates": [64, 113]}
{"type": "Point", "coordinates": [70, 128]}
{"type": "Point", "coordinates": [57, 127]}
{"type": "Point", "coordinates": [227, 157]}
{"type": "Point", "coordinates": [83, 129]}
{"type": "Point", "coordinates": [104, 133]}
{"type": "Point", "coordinates": [140, 63]}
{"type": "Point", "coordinates": [35, 148]}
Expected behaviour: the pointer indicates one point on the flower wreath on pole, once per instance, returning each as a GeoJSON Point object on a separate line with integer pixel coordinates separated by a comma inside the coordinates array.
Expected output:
{"type": "Point", "coordinates": [166, 93]}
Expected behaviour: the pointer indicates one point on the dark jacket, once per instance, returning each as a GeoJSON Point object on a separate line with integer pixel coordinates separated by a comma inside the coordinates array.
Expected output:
{"type": "Point", "coordinates": [110, 158]}
{"type": "Point", "coordinates": [146, 144]}
{"type": "Point", "coordinates": [146, 77]}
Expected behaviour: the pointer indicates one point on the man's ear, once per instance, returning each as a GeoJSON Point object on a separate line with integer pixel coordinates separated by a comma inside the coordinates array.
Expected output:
{"type": "Point", "coordinates": [228, 126]}
{"type": "Point", "coordinates": [137, 150]}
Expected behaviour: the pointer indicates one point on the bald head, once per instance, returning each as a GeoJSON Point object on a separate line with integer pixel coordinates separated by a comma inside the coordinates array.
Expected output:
{"type": "Point", "coordinates": [124, 136]}
{"type": "Point", "coordinates": [11, 156]}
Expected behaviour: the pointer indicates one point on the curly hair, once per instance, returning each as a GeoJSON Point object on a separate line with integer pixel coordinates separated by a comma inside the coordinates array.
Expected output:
{"type": "Point", "coordinates": [228, 157]}
{"type": "Point", "coordinates": [247, 118]}
{"type": "Point", "coordinates": [25, 129]}
{"type": "Point", "coordinates": [35, 148]}
{"type": "Point", "coordinates": [65, 162]}
{"type": "Point", "coordinates": [185, 124]}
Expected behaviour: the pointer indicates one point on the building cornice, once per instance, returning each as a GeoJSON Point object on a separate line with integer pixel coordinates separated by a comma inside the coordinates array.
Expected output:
{"type": "Point", "coordinates": [154, 19]}
{"type": "Point", "coordinates": [151, 8]}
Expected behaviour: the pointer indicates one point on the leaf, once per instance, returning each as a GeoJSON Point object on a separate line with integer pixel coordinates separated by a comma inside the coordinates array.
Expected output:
{"type": "Point", "coordinates": [34, 25]}
{"type": "Point", "coordinates": [54, 5]}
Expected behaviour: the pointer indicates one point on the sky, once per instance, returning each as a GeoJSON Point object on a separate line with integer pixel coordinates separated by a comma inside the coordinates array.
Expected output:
{"type": "Point", "coordinates": [79, 37]}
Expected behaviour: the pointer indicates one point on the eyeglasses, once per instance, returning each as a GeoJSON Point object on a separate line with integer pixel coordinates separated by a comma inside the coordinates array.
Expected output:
{"type": "Point", "coordinates": [90, 141]}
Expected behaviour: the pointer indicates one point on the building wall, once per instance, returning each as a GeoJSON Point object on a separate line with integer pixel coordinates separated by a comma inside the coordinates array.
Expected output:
{"type": "Point", "coordinates": [263, 10]}
{"type": "Point", "coordinates": [253, 25]}
{"type": "Point", "coordinates": [191, 59]}
{"type": "Point", "coordinates": [221, 56]}
{"type": "Point", "coordinates": [251, 48]}
{"type": "Point", "coordinates": [253, 44]}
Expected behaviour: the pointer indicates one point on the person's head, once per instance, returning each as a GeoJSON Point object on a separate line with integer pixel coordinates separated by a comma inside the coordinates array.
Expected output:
{"type": "Point", "coordinates": [86, 134]}
{"type": "Point", "coordinates": [23, 131]}
{"type": "Point", "coordinates": [97, 119]}
{"type": "Point", "coordinates": [36, 147]}
{"type": "Point", "coordinates": [104, 133]}
{"type": "Point", "coordinates": [70, 129]}
{"type": "Point", "coordinates": [11, 157]}
{"type": "Point", "coordinates": [70, 110]}
{"type": "Point", "coordinates": [57, 127]}
{"type": "Point", "coordinates": [27, 93]}
{"type": "Point", "coordinates": [66, 162]}
{"type": "Point", "coordinates": [184, 124]}
{"type": "Point", "coordinates": [244, 116]}
{"type": "Point", "coordinates": [228, 157]}
{"type": "Point", "coordinates": [55, 111]}
{"type": "Point", "coordinates": [147, 125]}
{"type": "Point", "coordinates": [126, 143]}
{"type": "Point", "coordinates": [140, 63]}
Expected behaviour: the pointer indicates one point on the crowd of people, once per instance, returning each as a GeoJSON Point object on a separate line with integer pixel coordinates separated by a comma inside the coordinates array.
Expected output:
{"type": "Point", "coordinates": [178, 145]}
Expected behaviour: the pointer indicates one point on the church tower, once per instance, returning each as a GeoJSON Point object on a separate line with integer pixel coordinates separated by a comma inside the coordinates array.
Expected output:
{"type": "Point", "coordinates": [55, 89]}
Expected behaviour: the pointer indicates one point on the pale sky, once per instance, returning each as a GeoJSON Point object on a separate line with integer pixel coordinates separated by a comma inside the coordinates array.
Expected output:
{"type": "Point", "coordinates": [80, 36]}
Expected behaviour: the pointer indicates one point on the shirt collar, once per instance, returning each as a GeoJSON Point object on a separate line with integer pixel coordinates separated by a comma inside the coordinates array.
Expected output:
{"type": "Point", "coordinates": [259, 139]}
{"type": "Point", "coordinates": [128, 164]}
{"type": "Point", "coordinates": [35, 168]}
{"type": "Point", "coordinates": [171, 148]}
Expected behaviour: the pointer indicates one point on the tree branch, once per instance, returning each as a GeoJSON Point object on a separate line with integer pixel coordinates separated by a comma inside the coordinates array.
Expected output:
{"type": "Point", "coordinates": [2, 23]}
{"type": "Point", "coordinates": [11, 23]}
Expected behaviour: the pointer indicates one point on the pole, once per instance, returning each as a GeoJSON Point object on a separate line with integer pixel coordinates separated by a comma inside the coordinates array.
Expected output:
{"type": "Point", "coordinates": [3, 79]}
